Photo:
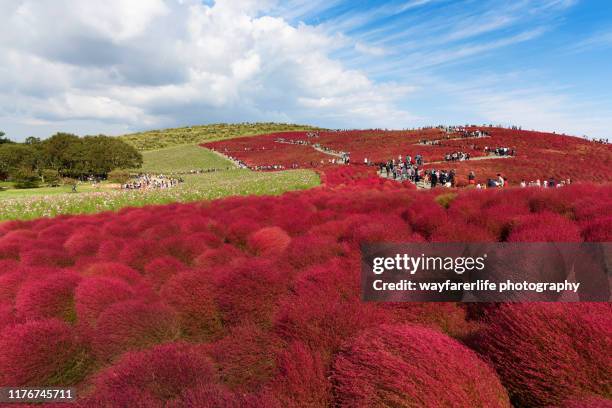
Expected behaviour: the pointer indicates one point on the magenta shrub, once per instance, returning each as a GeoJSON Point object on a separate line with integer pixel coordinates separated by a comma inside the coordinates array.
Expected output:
{"type": "Point", "coordinates": [548, 352]}
{"type": "Point", "coordinates": [52, 296]}
{"type": "Point", "coordinates": [266, 290]}
{"type": "Point", "coordinates": [95, 294]}
{"type": "Point", "coordinates": [407, 365]}
{"type": "Point", "coordinates": [40, 352]}
{"type": "Point", "coordinates": [269, 241]}
{"type": "Point", "coordinates": [192, 296]}
{"type": "Point", "coordinates": [155, 376]}
{"type": "Point", "coordinates": [132, 325]}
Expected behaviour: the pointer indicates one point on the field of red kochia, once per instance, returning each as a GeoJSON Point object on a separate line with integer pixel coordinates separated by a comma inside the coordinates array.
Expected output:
{"type": "Point", "coordinates": [539, 155]}
{"type": "Point", "coordinates": [255, 301]}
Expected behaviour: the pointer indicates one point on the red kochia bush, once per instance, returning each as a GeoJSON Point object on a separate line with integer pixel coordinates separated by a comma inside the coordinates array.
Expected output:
{"type": "Point", "coordinates": [413, 367]}
{"type": "Point", "coordinates": [248, 291]}
{"type": "Point", "coordinates": [269, 241]}
{"type": "Point", "coordinates": [586, 402]}
{"type": "Point", "coordinates": [113, 270]}
{"type": "Point", "coordinates": [159, 270]}
{"type": "Point", "coordinates": [544, 227]}
{"type": "Point", "coordinates": [192, 296]}
{"type": "Point", "coordinates": [6, 315]}
{"type": "Point", "coordinates": [301, 379]}
{"type": "Point", "coordinates": [40, 352]}
{"type": "Point", "coordinates": [546, 353]}
{"type": "Point", "coordinates": [247, 346]}
{"type": "Point", "coordinates": [95, 294]}
{"type": "Point", "coordinates": [52, 296]}
{"type": "Point", "coordinates": [158, 375]}
{"type": "Point", "coordinates": [133, 325]}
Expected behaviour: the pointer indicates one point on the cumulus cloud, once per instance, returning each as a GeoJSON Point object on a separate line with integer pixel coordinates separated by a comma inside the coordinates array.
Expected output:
{"type": "Point", "coordinates": [146, 63]}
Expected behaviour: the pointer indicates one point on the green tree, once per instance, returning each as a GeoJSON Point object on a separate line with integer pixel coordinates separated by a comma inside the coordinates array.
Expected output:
{"type": "Point", "coordinates": [31, 140]}
{"type": "Point", "coordinates": [3, 139]}
{"type": "Point", "coordinates": [25, 178]}
{"type": "Point", "coordinates": [56, 151]}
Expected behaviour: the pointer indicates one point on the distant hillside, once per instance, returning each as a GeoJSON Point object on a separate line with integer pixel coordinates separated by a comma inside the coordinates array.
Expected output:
{"type": "Point", "coordinates": [159, 139]}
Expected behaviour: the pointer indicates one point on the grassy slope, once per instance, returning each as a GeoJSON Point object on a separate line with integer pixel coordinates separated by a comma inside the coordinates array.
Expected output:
{"type": "Point", "coordinates": [192, 135]}
{"type": "Point", "coordinates": [182, 159]}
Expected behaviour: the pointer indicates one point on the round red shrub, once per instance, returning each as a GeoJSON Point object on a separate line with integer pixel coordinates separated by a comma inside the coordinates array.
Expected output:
{"type": "Point", "coordinates": [248, 291]}
{"type": "Point", "coordinates": [544, 227]}
{"type": "Point", "coordinates": [450, 318]}
{"type": "Point", "coordinates": [95, 294]}
{"type": "Point", "coordinates": [598, 230]}
{"type": "Point", "coordinates": [239, 231]}
{"type": "Point", "coordinates": [309, 250]}
{"type": "Point", "coordinates": [9, 285]}
{"type": "Point", "coordinates": [191, 295]}
{"type": "Point", "coordinates": [133, 325]}
{"type": "Point", "coordinates": [52, 296]}
{"type": "Point", "coordinates": [7, 317]}
{"type": "Point", "coordinates": [46, 257]}
{"type": "Point", "coordinates": [114, 270]}
{"type": "Point", "coordinates": [425, 216]}
{"type": "Point", "coordinates": [586, 402]}
{"type": "Point", "coordinates": [223, 255]}
{"type": "Point", "coordinates": [9, 251]}
{"type": "Point", "coordinates": [246, 357]}
{"type": "Point", "coordinates": [548, 352]}
{"type": "Point", "coordinates": [139, 252]}
{"type": "Point", "coordinates": [301, 379]}
{"type": "Point", "coordinates": [83, 243]}
{"type": "Point", "coordinates": [208, 396]}
{"type": "Point", "coordinates": [414, 367]}
{"type": "Point", "coordinates": [324, 308]}
{"type": "Point", "coordinates": [160, 375]}
{"type": "Point", "coordinates": [186, 247]}
{"type": "Point", "coordinates": [458, 231]}
{"type": "Point", "coordinates": [269, 241]}
{"type": "Point", "coordinates": [40, 352]}
{"type": "Point", "coordinates": [161, 269]}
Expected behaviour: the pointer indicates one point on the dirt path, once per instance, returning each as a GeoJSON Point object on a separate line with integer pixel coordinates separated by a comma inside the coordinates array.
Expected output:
{"type": "Point", "coordinates": [234, 162]}
{"type": "Point", "coordinates": [318, 149]}
{"type": "Point", "coordinates": [429, 142]}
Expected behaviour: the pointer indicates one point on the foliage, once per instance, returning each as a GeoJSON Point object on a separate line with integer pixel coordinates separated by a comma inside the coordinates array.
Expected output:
{"type": "Point", "coordinates": [546, 353]}
{"type": "Point", "coordinates": [266, 290]}
{"type": "Point", "coordinates": [25, 178]}
{"type": "Point", "coordinates": [402, 366]}
{"type": "Point", "coordinates": [50, 177]}
{"type": "Point", "coordinates": [119, 176]}
{"type": "Point", "coordinates": [68, 155]}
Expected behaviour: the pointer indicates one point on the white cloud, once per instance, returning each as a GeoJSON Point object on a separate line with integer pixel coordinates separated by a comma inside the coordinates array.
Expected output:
{"type": "Point", "coordinates": [164, 62]}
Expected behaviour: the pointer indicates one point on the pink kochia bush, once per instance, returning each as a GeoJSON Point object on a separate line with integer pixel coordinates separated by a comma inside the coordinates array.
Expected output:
{"type": "Point", "coordinates": [413, 367]}
{"type": "Point", "coordinates": [546, 353]}
{"type": "Point", "coordinates": [255, 301]}
{"type": "Point", "coordinates": [40, 352]}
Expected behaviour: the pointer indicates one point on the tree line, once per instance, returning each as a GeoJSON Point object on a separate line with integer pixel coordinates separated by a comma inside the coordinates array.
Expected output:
{"type": "Point", "coordinates": [64, 155]}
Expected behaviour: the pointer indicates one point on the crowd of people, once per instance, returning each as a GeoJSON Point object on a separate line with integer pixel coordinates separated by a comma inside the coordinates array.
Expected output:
{"type": "Point", "coordinates": [500, 151]}
{"type": "Point", "coordinates": [150, 181]}
{"type": "Point", "coordinates": [550, 183]}
{"type": "Point", "coordinates": [401, 169]}
{"type": "Point", "coordinates": [443, 178]}
{"type": "Point", "coordinates": [457, 156]}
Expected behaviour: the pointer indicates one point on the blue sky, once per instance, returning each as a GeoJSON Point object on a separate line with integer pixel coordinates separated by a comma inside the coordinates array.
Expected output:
{"type": "Point", "coordinates": [123, 66]}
